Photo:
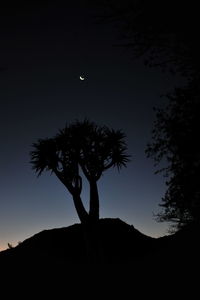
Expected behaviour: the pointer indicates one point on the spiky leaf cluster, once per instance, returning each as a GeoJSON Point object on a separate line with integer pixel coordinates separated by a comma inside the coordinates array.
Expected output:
{"type": "Point", "coordinates": [83, 145]}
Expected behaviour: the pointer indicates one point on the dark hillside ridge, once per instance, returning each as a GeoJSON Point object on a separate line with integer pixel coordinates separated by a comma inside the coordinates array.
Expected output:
{"type": "Point", "coordinates": [112, 248]}
{"type": "Point", "coordinates": [111, 241]}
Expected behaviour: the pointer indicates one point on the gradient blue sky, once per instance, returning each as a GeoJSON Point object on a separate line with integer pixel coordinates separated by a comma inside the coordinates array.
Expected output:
{"type": "Point", "coordinates": [44, 50]}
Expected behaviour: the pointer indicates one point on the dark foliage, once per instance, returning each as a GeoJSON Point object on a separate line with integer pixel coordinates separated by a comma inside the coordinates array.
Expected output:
{"type": "Point", "coordinates": [165, 34]}
{"type": "Point", "coordinates": [176, 138]}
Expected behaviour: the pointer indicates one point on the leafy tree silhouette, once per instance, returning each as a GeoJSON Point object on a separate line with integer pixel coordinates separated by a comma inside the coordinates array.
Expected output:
{"type": "Point", "coordinates": [164, 34]}
{"type": "Point", "coordinates": [81, 146]}
{"type": "Point", "coordinates": [175, 138]}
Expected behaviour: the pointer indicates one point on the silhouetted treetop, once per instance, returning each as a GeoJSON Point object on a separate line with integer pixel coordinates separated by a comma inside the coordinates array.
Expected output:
{"type": "Point", "coordinates": [165, 33]}
{"type": "Point", "coordinates": [93, 147]}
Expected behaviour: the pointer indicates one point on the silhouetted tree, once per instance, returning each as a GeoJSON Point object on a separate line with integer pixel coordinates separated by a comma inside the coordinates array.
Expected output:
{"type": "Point", "coordinates": [165, 34]}
{"type": "Point", "coordinates": [176, 139]}
{"type": "Point", "coordinates": [81, 146]}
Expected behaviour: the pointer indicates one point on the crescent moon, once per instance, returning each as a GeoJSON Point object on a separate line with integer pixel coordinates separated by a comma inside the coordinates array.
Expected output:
{"type": "Point", "coordinates": [82, 78]}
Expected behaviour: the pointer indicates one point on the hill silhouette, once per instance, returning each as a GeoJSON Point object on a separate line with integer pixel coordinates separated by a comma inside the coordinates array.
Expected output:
{"type": "Point", "coordinates": [111, 252]}
{"type": "Point", "coordinates": [109, 241]}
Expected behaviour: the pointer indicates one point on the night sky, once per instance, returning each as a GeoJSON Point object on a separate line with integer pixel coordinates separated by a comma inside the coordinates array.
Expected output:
{"type": "Point", "coordinates": [44, 50]}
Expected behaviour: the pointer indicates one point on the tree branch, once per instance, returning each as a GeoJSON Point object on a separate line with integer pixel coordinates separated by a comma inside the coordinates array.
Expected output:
{"type": "Point", "coordinates": [87, 175]}
{"type": "Point", "coordinates": [66, 183]}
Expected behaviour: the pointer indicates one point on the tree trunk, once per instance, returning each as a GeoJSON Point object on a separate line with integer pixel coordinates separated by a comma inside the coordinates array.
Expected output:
{"type": "Point", "coordinates": [94, 202]}
{"type": "Point", "coordinates": [82, 213]}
